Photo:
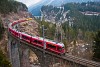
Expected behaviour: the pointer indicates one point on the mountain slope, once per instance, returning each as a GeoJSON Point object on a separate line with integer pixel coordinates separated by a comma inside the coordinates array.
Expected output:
{"type": "Point", "coordinates": [35, 8]}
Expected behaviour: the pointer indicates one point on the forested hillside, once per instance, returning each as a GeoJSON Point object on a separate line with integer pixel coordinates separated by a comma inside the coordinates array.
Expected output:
{"type": "Point", "coordinates": [84, 6]}
{"type": "Point", "coordinates": [78, 23]}
{"type": "Point", "coordinates": [7, 6]}
{"type": "Point", "coordinates": [88, 24]}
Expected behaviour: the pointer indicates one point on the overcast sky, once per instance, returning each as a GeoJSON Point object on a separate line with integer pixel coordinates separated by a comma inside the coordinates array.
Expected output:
{"type": "Point", "coordinates": [29, 2]}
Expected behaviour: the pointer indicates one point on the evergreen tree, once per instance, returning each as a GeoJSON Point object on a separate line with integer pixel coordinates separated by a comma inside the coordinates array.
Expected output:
{"type": "Point", "coordinates": [97, 46]}
{"type": "Point", "coordinates": [1, 29]}
{"type": "Point", "coordinates": [3, 60]}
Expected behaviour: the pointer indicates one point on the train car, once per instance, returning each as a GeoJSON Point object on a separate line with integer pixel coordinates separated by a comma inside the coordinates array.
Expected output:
{"type": "Point", "coordinates": [56, 47]}
{"type": "Point", "coordinates": [19, 21]}
{"type": "Point", "coordinates": [14, 32]}
{"type": "Point", "coordinates": [50, 45]}
{"type": "Point", "coordinates": [15, 22]}
{"type": "Point", "coordinates": [25, 37]}
{"type": "Point", "coordinates": [37, 42]}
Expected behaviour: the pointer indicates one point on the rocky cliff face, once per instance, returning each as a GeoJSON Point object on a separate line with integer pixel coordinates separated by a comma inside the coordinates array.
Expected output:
{"type": "Point", "coordinates": [31, 26]}
{"type": "Point", "coordinates": [18, 11]}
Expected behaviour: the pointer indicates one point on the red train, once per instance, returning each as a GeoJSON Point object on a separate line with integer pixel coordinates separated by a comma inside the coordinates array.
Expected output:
{"type": "Point", "coordinates": [52, 46]}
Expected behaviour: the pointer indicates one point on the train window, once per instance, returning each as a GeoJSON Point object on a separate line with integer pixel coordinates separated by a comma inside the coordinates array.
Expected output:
{"type": "Point", "coordinates": [39, 42]}
{"type": "Point", "coordinates": [25, 37]}
{"type": "Point", "coordinates": [35, 41]}
{"type": "Point", "coordinates": [51, 46]}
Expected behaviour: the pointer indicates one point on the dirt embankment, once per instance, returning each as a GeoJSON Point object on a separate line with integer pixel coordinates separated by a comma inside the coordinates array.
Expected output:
{"type": "Point", "coordinates": [30, 27]}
